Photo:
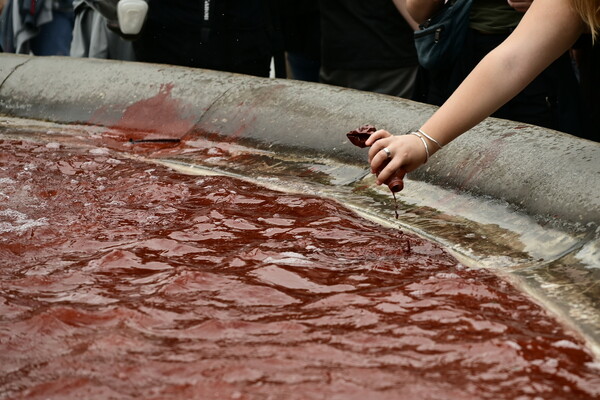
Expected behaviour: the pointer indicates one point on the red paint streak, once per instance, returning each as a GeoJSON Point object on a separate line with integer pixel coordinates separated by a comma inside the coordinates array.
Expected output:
{"type": "Point", "coordinates": [158, 117]}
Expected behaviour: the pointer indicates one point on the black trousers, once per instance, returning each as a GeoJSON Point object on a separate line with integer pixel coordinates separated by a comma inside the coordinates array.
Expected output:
{"type": "Point", "coordinates": [237, 37]}
{"type": "Point", "coordinates": [165, 45]}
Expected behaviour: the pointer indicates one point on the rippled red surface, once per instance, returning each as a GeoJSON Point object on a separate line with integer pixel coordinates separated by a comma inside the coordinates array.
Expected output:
{"type": "Point", "coordinates": [120, 279]}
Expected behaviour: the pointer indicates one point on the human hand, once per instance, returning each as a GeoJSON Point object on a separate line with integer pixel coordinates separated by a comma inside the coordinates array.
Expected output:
{"type": "Point", "coordinates": [520, 5]}
{"type": "Point", "coordinates": [406, 154]}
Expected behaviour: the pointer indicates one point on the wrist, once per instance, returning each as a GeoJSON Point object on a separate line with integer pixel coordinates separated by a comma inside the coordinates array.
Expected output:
{"type": "Point", "coordinates": [424, 143]}
{"type": "Point", "coordinates": [434, 144]}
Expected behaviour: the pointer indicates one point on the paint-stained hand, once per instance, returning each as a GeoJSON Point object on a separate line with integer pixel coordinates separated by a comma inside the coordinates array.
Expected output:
{"type": "Point", "coordinates": [520, 5]}
{"type": "Point", "coordinates": [406, 154]}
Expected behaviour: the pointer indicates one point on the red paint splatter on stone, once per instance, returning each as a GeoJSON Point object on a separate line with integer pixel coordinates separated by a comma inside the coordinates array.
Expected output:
{"type": "Point", "coordinates": [159, 117]}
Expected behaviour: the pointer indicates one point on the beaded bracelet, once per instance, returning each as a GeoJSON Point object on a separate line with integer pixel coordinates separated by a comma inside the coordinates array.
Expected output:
{"type": "Point", "coordinates": [417, 134]}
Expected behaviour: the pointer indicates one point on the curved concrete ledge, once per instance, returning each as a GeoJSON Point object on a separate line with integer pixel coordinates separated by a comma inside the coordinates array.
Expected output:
{"type": "Point", "coordinates": [542, 172]}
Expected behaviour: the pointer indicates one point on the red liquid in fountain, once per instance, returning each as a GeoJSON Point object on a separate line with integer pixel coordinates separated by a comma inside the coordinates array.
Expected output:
{"type": "Point", "coordinates": [119, 279]}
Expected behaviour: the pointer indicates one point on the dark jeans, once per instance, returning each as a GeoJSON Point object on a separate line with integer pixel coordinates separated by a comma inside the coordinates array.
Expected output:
{"type": "Point", "coordinates": [235, 39]}
{"type": "Point", "coordinates": [54, 38]}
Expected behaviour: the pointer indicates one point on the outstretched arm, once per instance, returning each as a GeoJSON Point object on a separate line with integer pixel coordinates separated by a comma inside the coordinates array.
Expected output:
{"type": "Point", "coordinates": [547, 30]}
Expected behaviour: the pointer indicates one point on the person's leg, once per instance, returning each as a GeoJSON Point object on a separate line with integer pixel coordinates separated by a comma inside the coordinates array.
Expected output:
{"type": "Point", "coordinates": [303, 68]}
{"type": "Point", "coordinates": [54, 38]}
{"type": "Point", "coordinates": [400, 82]}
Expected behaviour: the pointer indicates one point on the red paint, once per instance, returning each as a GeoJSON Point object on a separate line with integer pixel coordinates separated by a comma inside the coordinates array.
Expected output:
{"type": "Point", "coordinates": [159, 117]}
{"type": "Point", "coordinates": [120, 279]}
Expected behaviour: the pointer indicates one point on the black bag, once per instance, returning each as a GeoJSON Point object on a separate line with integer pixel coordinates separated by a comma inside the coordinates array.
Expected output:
{"type": "Point", "coordinates": [440, 39]}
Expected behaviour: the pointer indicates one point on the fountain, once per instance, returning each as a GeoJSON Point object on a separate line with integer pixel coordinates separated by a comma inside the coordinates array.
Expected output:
{"type": "Point", "coordinates": [121, 178]}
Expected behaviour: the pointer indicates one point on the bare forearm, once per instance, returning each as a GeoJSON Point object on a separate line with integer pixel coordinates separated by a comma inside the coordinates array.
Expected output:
{"type": "Point", "coordinates": [421, 10]}
{"type": "Point", "coordinates": [401, 6]}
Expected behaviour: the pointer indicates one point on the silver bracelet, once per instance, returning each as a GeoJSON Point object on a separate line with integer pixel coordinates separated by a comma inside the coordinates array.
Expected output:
{"type": "Point", "coordinates": [417, 134]}
{"type": "Point", "coordinates": [430, 138]}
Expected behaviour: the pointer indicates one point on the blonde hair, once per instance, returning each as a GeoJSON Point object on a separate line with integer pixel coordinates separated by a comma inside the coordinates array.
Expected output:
{"type": "Point", "coordinates": [589, 10]}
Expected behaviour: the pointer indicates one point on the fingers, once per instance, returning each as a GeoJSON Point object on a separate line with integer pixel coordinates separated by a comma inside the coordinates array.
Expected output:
{"type": "Point", "coordinates": [392, 168]}
{"type": "Point", "coordinates": [380, 160]}
{"type": "Point", "coordinates": [380, 134]}
{"type": "Point", "coordinates": [376, 147]}
{"type": "Point", "coordinates": [383, 162]}
{"type": "Point", "coordinates": [406, 153]}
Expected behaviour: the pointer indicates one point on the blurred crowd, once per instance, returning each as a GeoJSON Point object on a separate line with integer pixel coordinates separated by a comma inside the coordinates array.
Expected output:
{"type": "Point", "coordinates": [365, 45]}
